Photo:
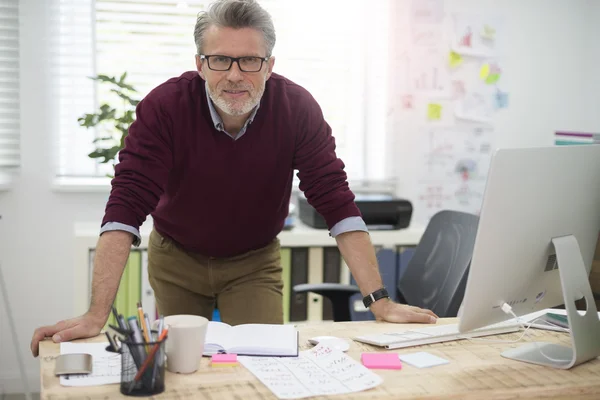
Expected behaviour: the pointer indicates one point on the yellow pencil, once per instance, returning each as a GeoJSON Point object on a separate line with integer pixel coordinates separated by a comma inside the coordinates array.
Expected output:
{"type": "Point", "coordinates": [142, 323]}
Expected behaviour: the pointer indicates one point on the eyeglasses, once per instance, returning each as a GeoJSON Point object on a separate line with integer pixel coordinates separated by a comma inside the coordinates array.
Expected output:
{"type": "Point", "coordinates": [224, 63]}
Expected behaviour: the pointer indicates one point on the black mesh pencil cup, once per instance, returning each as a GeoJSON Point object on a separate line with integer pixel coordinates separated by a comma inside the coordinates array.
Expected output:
{"type": "Point", "coordinates": [143, 367]}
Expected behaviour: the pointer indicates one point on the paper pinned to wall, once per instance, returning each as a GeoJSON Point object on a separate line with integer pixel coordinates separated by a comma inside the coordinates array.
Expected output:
{"type": "Point", "coordinates": [476, 105]}
{"type": "Point", "coordinates": [427, 11]}
{"type": "Point", "coordinates": [426, 35]}
{"type": "Point", "coordinates": [452, 164]}
{"type": "Point", "coordinates": [429, 75]}
{"type": "Point", "coordinates": [320, 371]}
{"type": "Point", "coordinates": [480, 36]}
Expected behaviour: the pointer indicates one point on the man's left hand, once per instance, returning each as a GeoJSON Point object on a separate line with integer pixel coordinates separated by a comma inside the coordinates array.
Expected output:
{"type": "Point", "coordinates": [387, 310]}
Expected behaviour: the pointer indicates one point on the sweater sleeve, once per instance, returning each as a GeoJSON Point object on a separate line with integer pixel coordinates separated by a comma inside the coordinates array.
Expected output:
{"type": "Point", "coordinates": [321, 173]}
{"type": "Point", "coordinates": [144, 165]}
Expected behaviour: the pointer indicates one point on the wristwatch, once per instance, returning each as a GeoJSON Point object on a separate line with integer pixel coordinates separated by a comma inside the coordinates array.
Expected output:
{"type": "Point", "coordinates": [376, 295]}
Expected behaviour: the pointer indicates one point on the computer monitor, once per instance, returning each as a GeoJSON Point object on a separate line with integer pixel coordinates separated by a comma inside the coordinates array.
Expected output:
{"type": "Point", "coordinates": [538, 229]}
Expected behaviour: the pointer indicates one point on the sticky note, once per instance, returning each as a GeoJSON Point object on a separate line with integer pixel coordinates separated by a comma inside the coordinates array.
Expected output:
{"type": "Point", "coordinates": [381, 360]}
{"type": "Point", "coordinates": [224, 360]}
{"type": "Point", "coordinates": [490, 74]}
{"type": "Point", "coordinates": [422, 359]}
{"type": "Point", "coordinates": [488, 33]}
{"type": "Point", "coordinates": [501, 99]}
{"type": "Point", "coordinates": [434, 112]}
{"type": "Point", "coordinates": [455, 59]}
{"type": "Point", "coordinates": [484, 71]}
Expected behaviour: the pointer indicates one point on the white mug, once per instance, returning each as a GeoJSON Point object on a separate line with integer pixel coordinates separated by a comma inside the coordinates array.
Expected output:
{"type": "Point", "coordinates": [185, 342]}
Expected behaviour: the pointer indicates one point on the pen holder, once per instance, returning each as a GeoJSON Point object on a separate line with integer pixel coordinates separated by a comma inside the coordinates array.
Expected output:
{"type": "Point", "coordinates": [143, 367]}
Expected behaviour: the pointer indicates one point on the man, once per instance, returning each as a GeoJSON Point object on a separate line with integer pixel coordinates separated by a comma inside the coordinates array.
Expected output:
{"type": "Point", "coordinates": [211, 157]}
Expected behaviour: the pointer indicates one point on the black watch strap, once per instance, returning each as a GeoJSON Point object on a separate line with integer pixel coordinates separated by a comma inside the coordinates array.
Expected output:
{"type": "Point", "coordinates": [376, 295]}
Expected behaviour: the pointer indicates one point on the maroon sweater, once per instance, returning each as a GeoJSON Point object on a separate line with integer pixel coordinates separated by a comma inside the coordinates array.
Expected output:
{"type": "Point", "coordinates": [218, 196]}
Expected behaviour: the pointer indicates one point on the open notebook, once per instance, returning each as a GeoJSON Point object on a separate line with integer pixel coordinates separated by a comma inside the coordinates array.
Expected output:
{"type": "Point", "coordinates": [251, 339]}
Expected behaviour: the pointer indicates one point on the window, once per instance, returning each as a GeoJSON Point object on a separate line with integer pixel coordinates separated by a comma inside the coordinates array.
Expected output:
{"type": "Point", "coordinates": [153, 41]}
{"type": "Point", "coordinates": [9, 85]}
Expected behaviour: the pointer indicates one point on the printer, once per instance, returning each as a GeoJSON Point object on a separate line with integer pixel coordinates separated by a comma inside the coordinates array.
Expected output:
{"type": "Point", "coordinates": [379, 211]}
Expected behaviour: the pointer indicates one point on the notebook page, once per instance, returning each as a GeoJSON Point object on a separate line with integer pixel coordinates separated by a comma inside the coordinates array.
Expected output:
{"type": "Point", "coordinates": [217, 337]}
{"type": "Point", "coordinates": [320, 371]}
{"type": "Point", "coordinates": [264, 339]}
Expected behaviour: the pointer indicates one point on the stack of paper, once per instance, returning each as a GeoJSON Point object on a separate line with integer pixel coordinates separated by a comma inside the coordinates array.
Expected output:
{"type": "Point", "coordinates": [320, 371]}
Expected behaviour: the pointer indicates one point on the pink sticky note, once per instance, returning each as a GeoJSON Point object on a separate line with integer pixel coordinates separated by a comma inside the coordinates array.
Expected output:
{"type": "Point", "coordinates": [224, 358]}
{"type": "Point", "coordinates": [381, 360]}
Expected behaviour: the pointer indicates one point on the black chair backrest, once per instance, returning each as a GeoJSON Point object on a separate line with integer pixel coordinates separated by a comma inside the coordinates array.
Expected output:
{"type": "Point", "coordinates": [436, 276]}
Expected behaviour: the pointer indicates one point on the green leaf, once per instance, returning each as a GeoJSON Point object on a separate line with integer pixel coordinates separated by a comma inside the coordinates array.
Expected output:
{"type": "Point", "coordinates": [104, 78]}
{"type": "Point", "coordinates": [104, 138]}
{"type": "Point", "coordinates": [125, 97]}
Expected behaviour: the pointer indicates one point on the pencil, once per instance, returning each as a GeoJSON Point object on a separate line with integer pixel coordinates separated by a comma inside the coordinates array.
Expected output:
{"type": "Point", "coordinates": [143, 323]}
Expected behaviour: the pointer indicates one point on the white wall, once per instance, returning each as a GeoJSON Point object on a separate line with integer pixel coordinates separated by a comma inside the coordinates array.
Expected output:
{"type": "Point", "coordinates": [551, 61]}
{"type": "Point", "coordinates": [549, 64]}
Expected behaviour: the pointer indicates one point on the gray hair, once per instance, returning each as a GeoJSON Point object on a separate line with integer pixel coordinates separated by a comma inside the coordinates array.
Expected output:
{"type": "Point", "coordinates": [235, 14]}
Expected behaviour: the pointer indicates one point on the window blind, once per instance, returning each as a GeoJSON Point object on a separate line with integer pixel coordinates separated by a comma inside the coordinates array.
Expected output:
{"type": "Point", "coordinates": [152, 40]}
{"type": "Point", "coordinates": [9, 84]}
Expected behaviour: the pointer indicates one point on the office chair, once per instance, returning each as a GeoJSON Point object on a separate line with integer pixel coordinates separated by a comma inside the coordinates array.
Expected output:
{"type": "Point", "coordinates": [436, 275]}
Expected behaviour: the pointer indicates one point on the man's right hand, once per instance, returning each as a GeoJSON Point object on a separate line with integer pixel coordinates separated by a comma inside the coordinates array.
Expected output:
{"type": "Point", "coordinates": [87, 325]}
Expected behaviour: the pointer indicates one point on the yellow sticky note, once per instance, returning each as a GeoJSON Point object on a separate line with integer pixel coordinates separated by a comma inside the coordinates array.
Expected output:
{"type": "Point", "coordinates": [434, 112]}
{"type": "Point", "coordinates": [484, 71]}
{"type": "Point", "coordinates": [455, 59]}
{"type": "Point", "coordinates": [490, 74]}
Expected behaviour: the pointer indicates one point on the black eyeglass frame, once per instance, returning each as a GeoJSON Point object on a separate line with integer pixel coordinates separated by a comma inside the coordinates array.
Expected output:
{"type": "Point", "coordinates": [207, 57]}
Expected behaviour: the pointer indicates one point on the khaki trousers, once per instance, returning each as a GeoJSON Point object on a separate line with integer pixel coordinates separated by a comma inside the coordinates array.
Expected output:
{"type": "Point", "coordinates": [247, 288]}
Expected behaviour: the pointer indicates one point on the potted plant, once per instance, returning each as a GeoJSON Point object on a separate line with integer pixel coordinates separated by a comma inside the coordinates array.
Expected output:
{"type": "Point", "coordinates": [111, 123]}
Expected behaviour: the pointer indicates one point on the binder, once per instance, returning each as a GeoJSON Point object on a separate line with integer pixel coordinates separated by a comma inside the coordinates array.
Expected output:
{"type": "Point", "coordinates": [331, 274]}
{"type": "Point", "coordinates": [286, 266]}
{"type": "Point", "coordinates": [315, 275]}
{"type": "Point", "coordinates": [299, 275]}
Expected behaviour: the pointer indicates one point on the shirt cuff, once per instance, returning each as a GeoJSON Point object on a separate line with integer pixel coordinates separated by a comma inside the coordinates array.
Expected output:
{"type": "Point", "coordinates": [117, 226]}
{"type": "Point", "coordinates": [348, 225]}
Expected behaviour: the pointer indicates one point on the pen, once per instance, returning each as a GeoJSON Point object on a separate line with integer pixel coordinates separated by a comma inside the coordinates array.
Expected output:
{"type": "Point", "coordinates": [148, 327]}
{"type": "Point", "coordinates": [115, 313]}
{"type": "Point", "coordinates": [161, 325]}
{"type": "Point", "coordinates": [137, 340]}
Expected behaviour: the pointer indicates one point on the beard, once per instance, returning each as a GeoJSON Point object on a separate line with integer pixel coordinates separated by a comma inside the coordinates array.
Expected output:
{"type": "Point", "coordinates": [236, 107]}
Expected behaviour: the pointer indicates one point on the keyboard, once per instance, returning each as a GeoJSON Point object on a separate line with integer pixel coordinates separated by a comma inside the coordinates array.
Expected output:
{"type": "Point", "coordinates": [434, 334]}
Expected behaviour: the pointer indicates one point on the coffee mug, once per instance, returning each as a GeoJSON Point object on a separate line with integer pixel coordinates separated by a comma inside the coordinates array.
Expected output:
{"type": "Point", "coordinates": [185, 342]}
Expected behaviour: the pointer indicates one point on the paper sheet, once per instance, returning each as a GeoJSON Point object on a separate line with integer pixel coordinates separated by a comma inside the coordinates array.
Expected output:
{"type": "Point", "coordinates": [452, 164]}
{"type": "Point", "coordinates": [320, 371]}
{"type": "Point", "coordinates": [106, 365]}
{"type": "Point", "coordinates": [478, 35]}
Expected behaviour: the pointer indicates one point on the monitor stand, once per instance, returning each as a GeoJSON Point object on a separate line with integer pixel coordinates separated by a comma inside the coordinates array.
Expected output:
{"type": "Point", "coordinates": [585, 329]}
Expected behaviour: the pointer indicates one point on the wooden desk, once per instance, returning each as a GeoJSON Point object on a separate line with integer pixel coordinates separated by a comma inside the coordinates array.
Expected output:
{"type": "Point", "coordinates": [476, 371]}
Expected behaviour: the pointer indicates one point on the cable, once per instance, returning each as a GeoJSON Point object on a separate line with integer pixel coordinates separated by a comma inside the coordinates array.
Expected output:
{"type": "Point", "coordinates": [508, 310]}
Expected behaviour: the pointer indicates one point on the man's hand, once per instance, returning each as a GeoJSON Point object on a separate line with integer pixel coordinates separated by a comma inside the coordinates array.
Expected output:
{"type": "Point", "coordinates": [387, 310]}
{"type": "Point", "coordinates": [87, 325]}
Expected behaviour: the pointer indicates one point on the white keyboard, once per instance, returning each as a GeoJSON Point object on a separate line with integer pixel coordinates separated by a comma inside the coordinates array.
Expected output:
{"type": "Point", "coordinates": [434, 334]}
